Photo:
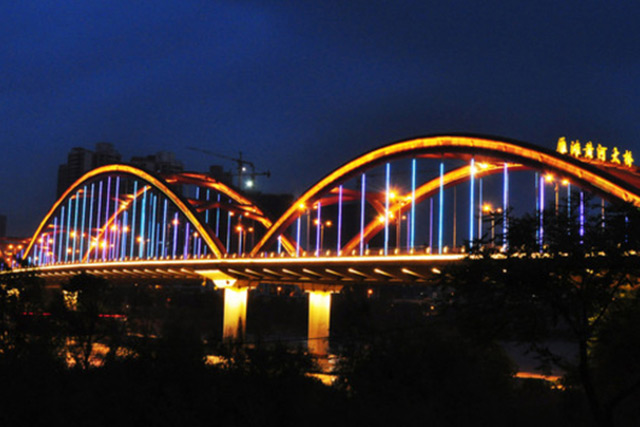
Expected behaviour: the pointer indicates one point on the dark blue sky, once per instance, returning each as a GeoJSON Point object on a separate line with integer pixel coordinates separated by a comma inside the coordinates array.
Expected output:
{"type": "Point", "coordinates": [300, 87]}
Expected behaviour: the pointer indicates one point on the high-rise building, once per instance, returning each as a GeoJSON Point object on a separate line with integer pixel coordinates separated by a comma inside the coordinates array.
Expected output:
{"type": "Point", "coordinates": [163, 162]}
{"type": "Point", "coordinates": [3, 225]}
{"type": "Point", "coordinates": [105, 154]}
{"type": "Point", "coordinates": [80, 161]}
{"type": "Point", "coordinates": [218, 173]}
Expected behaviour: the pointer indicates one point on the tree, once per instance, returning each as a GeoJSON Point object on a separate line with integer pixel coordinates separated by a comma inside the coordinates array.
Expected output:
{"type": "Point", "coordinates": [574, 284]}
{"type": "Point", "coordinates": [85, 316]}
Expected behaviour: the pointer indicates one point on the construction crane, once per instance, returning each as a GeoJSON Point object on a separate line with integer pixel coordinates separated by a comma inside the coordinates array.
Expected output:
{"type": "Point", "coordinates": [241, 167]}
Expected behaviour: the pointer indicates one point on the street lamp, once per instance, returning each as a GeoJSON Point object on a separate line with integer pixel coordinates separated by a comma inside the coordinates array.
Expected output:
{"type": "Point", "coordinates": [488, 209]}
{"type": "Point", "coordinates": [322, 226]}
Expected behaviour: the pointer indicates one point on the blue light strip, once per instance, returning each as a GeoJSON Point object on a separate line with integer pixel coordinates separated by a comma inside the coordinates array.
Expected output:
{"type": "Point", "coordinates": [186, 240]}
{"type": "Point", "coordinates": [75, 226]}
{"type": "Point", "coordinates": [156, 247]}
{"type": "Point", "coordinates": [480, 203]}
{"type": "Point", "coordinates": [176, 224]}
{"type": "Point", "coordinates": [47, 253]}
{"type": "Point", "coordinates": [153, 247]}
{"type": "Point", "coordinates": [98, 226]}
{"type": "Point", "coordinates": [123, 248]}
{"type": "Point", "coordinates": [362, 201]}
{"type": "Point", "coordinates": [581, 216]}
{"type": "Point", "coordinates": [338, 245]}
{"type": "Point", "coordinates": [84, 210]}
{"type": "Point", "coordinates": [61, 235]}
{"type": "Point", "coordinates": [228, 230]}
{"type": "Point", "coordinates": [441, 208]}
{"type": "Point", "coordinates": [541, 234]}
{"type": "Point", "coordinates": [569, 200]}
{"type": "Point", "coordinates": [472, 217]}
{"type": "Point", "coordinates": [133, 219]}
{"type": "Point", "coordinates": [90, 223]}
{"type": "Point", "coordinates": [143, 211]}
{"type": "Point", "coordinates": [537, 193]}
{"type": "Point", "coordinates": [240, 234]}
{"type": "Point", "coordinates": [318, 227]}
{"type": "Point", "coordinates": [67, 232]}
{"type": "Point", "coordinates": [505, 205]}
{"type": "Point", "coordinates": [164, 230]}
{"type": "Point", "coordinates": [118, 233]}
{"type": "Point", "coordinates": [297, 236]}
{"type": "Point", "coordinates": [151, 225]}
{"type": "Point", "coordinates": [413, 205]}
{"type": "Point", "coordinates": [218, 219]}
{"type": "Point", "coordinates": [387, 180]}
{"type": "Point", "coordinates": [55, 232]}
{"type": "Point", "coordinates": [280, 245]}
{"type": "Point", "coordinates": [106, 233]}
{"type": "Point", "coordinates": [206, 213]}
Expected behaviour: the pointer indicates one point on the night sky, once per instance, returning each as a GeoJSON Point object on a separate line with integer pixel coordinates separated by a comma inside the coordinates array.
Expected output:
{"type": "Point", "coordinates": [300, 87]}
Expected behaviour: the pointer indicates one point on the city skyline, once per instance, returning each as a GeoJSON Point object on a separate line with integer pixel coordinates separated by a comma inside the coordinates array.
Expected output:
{"type": "Point", "coordinates": [302, 85]}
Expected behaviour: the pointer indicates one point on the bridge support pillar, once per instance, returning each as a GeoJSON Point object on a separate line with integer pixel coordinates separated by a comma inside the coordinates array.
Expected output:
{"type": "Point", "coordinates": [236, 292]}
{"type": "Point", "coordinates": [319, 319]}
{"type": "Point", "coordinates": [235, 312]}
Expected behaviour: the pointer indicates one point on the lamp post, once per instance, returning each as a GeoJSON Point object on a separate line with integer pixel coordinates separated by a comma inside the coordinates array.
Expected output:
{"type": "Point", "coordinates": [322, 225]}
{"type": "Point", "coordinates": [488, 209]}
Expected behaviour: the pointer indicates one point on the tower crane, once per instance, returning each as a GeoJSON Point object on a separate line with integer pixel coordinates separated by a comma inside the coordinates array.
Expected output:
{"type": "Point", "coordinates": [242, 166]}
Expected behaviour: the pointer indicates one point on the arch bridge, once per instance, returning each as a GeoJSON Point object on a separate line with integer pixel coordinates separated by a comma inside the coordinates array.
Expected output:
{"type": "Point", "coordinates": [392, 215]}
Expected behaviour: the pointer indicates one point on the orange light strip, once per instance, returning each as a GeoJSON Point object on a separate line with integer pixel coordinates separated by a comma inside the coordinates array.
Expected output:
{"type": "Point", "coordinates": [247, 204]}
{"type": "Point", "coordinates": [224, 262]}
{"type": "Point", "coordinates": [455, 144]}
{"type": "Point", "coordinates": [150, 179]}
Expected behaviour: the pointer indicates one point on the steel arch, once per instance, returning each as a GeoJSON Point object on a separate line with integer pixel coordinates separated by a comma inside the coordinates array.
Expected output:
{"type": "Point", "coordinates": [599, 178]}
{"type": "Point", "coordinates": [246, 207]}
{"type": "Point", "coordinates": [155, 181]}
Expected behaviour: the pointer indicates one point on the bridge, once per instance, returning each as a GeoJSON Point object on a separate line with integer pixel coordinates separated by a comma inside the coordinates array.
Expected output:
{"type": "Point", "coordinates": [389, 216]}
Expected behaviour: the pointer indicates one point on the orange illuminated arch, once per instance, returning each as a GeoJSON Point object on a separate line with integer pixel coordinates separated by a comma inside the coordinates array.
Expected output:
{"type": "Point", "coordinates": [595, 177]}
{"type": "Point", "coordinates": [247, 207]}
{"type": "Point", "coordinates": [150, 179]}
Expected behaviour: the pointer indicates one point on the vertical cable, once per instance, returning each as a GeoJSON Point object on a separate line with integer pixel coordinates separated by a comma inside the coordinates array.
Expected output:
{"type": "Point", "coordinates": [362, 201]}
{"type": "Point", "coordinates": [413, 205]}
{"type": "Point", "coordinates": [133, 219]}
{"type": "Point", "coordinates": [505, 205]}
{"type": "Point", "coordinates": [338, 245]}
{"type": "Point", "coordinates": [318, 229]}
{"type": "Point", "coordinates": [471, 201]}
{"type": "Point", "coordinates": [441, 208]}
{"type": "Point", "coordinates": [386, 207]}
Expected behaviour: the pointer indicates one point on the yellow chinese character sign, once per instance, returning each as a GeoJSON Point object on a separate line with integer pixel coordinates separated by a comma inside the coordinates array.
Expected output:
{"type": "Point", "coordinates": [562, 146]}
{"type": "Point", "coordinates": [615, 156]}
{"type": "Point", "coordinates": [601, 153]}
{"type": "Point", "coordinates": [575, 148]}
{"type": "Point", "coordinates": [588, 150]}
